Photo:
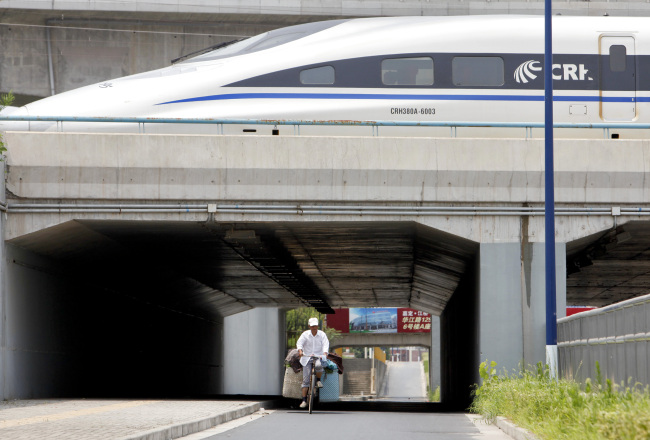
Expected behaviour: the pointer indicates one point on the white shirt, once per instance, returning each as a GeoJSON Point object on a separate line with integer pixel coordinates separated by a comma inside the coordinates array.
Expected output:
{"type": "Point", "coordinates": [310, 344]}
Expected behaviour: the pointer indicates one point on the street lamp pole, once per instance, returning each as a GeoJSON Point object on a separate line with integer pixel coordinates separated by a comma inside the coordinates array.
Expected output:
{"type": "Point", "coordinates": [549, 195]}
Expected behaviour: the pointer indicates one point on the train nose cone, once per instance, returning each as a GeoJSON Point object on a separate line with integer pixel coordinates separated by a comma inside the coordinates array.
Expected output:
{"type": "Point", "coordinates": [8, 110]}
{"type": "Point", "coordinates": [14, 125]}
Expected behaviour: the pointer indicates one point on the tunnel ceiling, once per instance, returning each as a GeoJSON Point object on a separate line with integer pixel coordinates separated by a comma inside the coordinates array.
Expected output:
{"type": "Point", "coordinates": [215, 270]}
{"type": "Point", "coordinates": [609, 267]}
{"type": "Point", "coordinates": [212, 269]}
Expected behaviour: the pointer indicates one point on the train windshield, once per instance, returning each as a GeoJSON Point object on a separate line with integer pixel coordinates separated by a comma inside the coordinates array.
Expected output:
{"type": "Point", "coordinates": [266, 40]}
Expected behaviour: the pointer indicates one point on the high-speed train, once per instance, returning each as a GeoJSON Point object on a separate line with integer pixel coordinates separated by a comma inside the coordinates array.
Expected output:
{"type": "Point", "coordinates": [471, 69]}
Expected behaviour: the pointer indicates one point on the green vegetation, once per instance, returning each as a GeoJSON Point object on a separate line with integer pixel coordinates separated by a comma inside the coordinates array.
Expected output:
{"type": "Point", "coordinates": [297, 321]}
{"type": "Point", "coordinates": [359, 352]}
{"type": "Point", "coordinates": [434, 395]}
{"type": "Point", "coordinates": [6, 99]}
{"type": "Point", "coordinates": [561, 409]}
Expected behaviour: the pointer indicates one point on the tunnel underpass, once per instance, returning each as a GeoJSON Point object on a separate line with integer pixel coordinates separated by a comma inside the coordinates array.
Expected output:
{"type": "Point", "coordinates": [610, 266]}
{"type": "Point", "coordinates": [125, 308]}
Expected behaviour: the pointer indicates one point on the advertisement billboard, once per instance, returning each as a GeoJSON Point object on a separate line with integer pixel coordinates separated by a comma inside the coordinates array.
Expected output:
{"type": "Point", "coordinates": [413, 321]}
{"type": "Point", "coordinates": [380, 320]}
{"type": "Point", "coordinates": [374, 320]}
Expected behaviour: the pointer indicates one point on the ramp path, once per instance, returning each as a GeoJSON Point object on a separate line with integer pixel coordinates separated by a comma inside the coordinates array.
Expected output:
{"type": "Point", "coordinates": [405, 381]}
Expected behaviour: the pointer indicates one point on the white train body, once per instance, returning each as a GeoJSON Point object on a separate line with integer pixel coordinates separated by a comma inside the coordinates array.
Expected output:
{"type": "Point", "coordinates": [472, 69]}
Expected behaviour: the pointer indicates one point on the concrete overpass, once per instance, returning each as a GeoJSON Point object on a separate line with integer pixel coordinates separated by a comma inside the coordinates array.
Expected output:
{"type": "Point", "coordinates": [328, 8]}
{"type": "Point", "coordinates": [128, 257]}
{"type": "Point", "coordinates": [383, 340]}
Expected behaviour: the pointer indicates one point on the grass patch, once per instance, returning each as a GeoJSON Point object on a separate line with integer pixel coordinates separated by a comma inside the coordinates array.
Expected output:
{"type": "Point", "coordinates": [434, 396]}
{"type": "Point", "coordinates": [425, 363]}
{"type": "Point", "coordinates": [561, 409]}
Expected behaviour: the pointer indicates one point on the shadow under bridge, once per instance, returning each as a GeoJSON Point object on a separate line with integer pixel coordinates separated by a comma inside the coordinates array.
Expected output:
{"type": "Point", "coordinates": [113, 299]}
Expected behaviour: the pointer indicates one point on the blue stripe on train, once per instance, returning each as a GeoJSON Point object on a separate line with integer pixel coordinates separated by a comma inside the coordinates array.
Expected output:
{"type": "Point", "coordinates": [401, 97]}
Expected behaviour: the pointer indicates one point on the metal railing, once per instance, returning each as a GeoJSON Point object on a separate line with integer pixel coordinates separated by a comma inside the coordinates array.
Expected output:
{"type": "Point", "coordinates": [317, 210]}
{"type": "Point", "coordinates": [616, 336]}
{"type": "Point", "coordinates": [452, 125]}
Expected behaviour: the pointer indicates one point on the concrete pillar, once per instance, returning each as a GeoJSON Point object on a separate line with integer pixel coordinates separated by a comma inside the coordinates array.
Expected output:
{"type": "Point", "coordinates": [534, 298]}
{"type": "Point", "coordinates": [512, 303]}
{"type": "Point", "coordinates": [254, 352]}
{"type": "Point", "coordinates": [434, 354]}
{"type": "Point", "coordinates": [500, 321]}
{"type": "Point", "coordinates": [3, 296]}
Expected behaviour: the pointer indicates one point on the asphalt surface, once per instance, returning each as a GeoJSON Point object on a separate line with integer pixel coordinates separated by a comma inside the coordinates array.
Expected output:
{"type": "Point", "coordinates": [342, 425]}
{"type": "Point", "coordinates": [123, 419]}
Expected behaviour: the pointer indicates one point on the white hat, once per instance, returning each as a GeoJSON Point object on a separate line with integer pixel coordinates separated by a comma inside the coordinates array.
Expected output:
{"type": "Point", "coordinates": [313, 321]}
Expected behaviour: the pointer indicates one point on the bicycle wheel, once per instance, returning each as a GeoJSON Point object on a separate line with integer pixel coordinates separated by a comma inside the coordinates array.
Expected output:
{"type": "Point", "coordinates": [312, 387]}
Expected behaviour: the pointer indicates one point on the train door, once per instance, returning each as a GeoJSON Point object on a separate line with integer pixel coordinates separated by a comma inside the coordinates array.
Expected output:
{"type": "Point", "coordinates": [617, 78]}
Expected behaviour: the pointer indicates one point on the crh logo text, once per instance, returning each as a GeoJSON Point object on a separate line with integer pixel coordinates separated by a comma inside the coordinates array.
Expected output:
{"type": "Point", "coordinates": [527, 71]}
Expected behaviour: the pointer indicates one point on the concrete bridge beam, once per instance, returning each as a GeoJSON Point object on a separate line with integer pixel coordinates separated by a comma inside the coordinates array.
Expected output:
{"type": "Point", "coordinates": [383, 340]}
{"type": "Point", "coordinates": [375, 171]}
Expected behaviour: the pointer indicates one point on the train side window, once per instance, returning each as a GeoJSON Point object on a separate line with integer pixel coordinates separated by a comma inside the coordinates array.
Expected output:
{"type": "Point", "coordinates": [477, 71]}
{"type": "Point", "coordinates": [617, 62]}
{"type": "Point", "coordinates": [407, 71]}
{"type": "Point", "coordinates": [319, 75]}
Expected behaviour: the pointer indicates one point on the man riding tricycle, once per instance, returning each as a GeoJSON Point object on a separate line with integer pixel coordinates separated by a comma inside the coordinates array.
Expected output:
{"type": "Point", "coordinates": [311, 356]}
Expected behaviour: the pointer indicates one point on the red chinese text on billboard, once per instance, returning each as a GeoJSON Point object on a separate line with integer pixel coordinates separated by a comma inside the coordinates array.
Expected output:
{"type": "Point", "coordinates": [413, 321]}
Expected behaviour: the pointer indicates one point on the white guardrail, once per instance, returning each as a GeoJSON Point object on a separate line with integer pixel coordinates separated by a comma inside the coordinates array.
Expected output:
{"type": "Point", "coordinates": [453, 125]}
{"type": "Point", "coordinates": [616, 336]}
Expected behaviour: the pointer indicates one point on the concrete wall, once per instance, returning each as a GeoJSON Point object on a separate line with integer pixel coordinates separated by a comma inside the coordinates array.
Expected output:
{"type": "Point", "coordinates": [67, 335]}
{"type": "Point", "coordinates": [3, 292]}
{"type": "Point", "coordinates": [497, 313]}
{"type": "Point", "coordinates": [254, 352]}
{"type": "Point", "coordinates": [459, 327]}
{"type": "Point", "coordinates": [617, 337]}
{"type": "Point", "coordinates": [434, 354]}
{"type": "Point", "coordinates": [123, 168]}
{"type": "Point", "coordinates": [380, 375]}
{"type": "Point", "coordinates": [329, 7]}
{"type": "Point", "coordinates": [512, 304]}
{"type": "Point", "coordinates": [382, 340]}
{"type": "Point", "coordinates": [87, 51]}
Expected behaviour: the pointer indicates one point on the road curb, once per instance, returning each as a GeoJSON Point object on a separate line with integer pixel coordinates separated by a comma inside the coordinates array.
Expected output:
{"type": "Point", "coordinates": [187, 428]}
{"type": "Point", "coordinates": [513, 430]}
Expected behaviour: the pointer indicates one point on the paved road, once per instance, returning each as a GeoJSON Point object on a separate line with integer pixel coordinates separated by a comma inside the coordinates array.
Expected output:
{"type": "Point", "coordinates": [405, 381]}
{"type": "Point", "coordinates": [97, 419]}
{"type": "Point", "coordinates": [341, 425]}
